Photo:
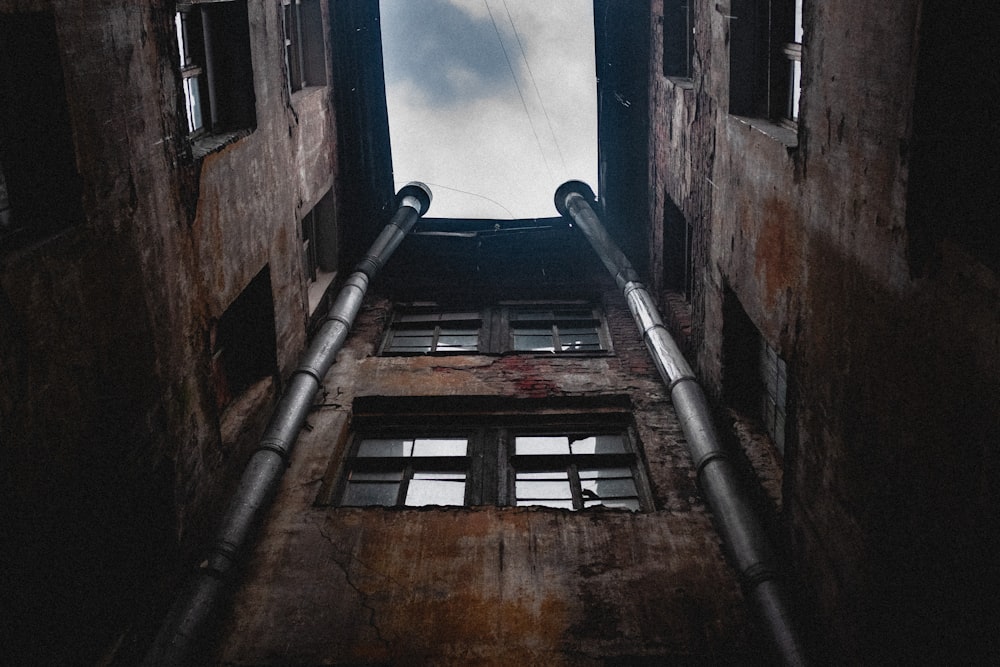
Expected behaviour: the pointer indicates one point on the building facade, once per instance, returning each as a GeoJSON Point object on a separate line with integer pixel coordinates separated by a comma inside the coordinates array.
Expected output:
{"type": "Point", "coordinates": [492, 470]}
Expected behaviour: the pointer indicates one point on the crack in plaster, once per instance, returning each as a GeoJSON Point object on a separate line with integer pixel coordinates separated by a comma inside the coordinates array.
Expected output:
{"type": "Point", "coordinates": [362, 596]}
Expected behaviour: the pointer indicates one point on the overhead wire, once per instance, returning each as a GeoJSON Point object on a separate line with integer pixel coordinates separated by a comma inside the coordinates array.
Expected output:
{"type": "Point", "coordinates": [519, 92]}
{"type": "Point", "coordinates": [473, 194]}
{"type": "Point", "coordinates": [534, 84]}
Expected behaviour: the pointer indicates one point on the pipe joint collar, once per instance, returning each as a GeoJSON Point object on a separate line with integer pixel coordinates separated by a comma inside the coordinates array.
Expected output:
{"type": "Point", "coordinates": [683, 378]}
{"type": "Point", "coordinates": [369, 266]}
{"type": "Point", "coordinates": [276, 446]}
{"type": "Point", "coordinates": [420, 192]}
{"type": "Point", "coordinates": [708, 458]}
{"type": "Point", "coordinates": [756, 574]}
{"type": "Point", "coordinates": [572, 187]}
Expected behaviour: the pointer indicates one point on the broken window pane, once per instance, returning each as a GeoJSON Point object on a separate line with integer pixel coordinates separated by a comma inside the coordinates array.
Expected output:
{"type": "Point", "coordinates": [541, 444]}
{"type": "Point", "coordinates": [385, 447]}
{"type": "Point", "coordinates": [598, 444]}
{"type": "Point", "coordinates": [372, 488]}
{"type": "Point", "coordinates": [436, 488]}
{"type": "Point", "coordinates": [533, 342]}
{"type": "Point", "coordinates": [616, 503]}
{"type": "Point", "coordinates": [440, 446]}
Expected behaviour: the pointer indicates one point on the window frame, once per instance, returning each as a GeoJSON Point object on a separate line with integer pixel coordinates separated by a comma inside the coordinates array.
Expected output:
{"type": "Point", "coordinates": [792, 51]}
{"type": "Point", "coordinates": [765, 55]}
{"type": "Point", "coordinates": [302, 67]}
{"type": "Point", "coordinates": [214, 50]}
{"type": "Point", "coordinates": [192, 66]}
{"type": "Point", "coordinates": [570, 462]}
{"type": "Point", "coordinates": [498, 324]}
{"type": "Point", "coordinates": [678, 63]}
{"type": "Point", "coordinates": [491, 464]}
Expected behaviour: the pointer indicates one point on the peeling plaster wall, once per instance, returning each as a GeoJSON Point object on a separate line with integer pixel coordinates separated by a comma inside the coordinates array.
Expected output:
{"type": "Point", "coordinates": [890, 475]}
{"type": "Point", "coordinates": [114, 461]}
{"type": "Point", "coordinates": [488, 585]}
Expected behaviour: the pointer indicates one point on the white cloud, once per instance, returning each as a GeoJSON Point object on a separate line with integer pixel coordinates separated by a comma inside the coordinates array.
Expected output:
{"type": "Point", "coordinates": [487, 145]}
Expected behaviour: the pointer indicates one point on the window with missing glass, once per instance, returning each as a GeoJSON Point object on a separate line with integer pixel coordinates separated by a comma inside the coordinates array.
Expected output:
{"type": "Point", "coordinates": [765, 59]}
{"type": "Point", "coordinates": [494, 461]}
{"type": "Point", "coordinates": [558, 328]}
{"type": "Point", "coordinates": [574, 470]}
{"type": "Point", "coordinates": [305, 63]}
{"type": "Point", "coordinates": [424, 331]}
{"type": "Point", "coordinates": [413, 471]}
{"type": "Point", "coordinates": [214, 59]}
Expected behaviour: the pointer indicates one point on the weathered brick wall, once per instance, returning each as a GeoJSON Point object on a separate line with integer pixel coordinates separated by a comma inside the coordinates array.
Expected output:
{"type": "Point", "coordinates": [114, 457]}
{"type": "Point", "coordinates": [489, 585]}
{"type": "Point", "coordinates": [889, 479]}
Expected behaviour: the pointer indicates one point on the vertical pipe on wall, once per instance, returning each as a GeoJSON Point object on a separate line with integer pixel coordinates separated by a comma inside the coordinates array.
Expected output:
{"type": "Point", "coordinates": [741, 529]}
{"type": "Point", "coordinates": [180, 635]}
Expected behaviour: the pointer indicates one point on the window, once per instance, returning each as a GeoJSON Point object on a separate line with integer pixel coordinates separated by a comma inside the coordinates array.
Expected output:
{"type": "Point", "coordinates": [558, 461]}
{"type": "Point", "coordinates": [678, 262]}
{"type": "Point", "coordinates": [574, 471]}
{"type": "Point", "coordinates": [678, 38]}
{"type": "Point", "coordinates": [305, 59]}
{"type": "Point", "coordinates": [424, 332]}
{"type": "Point", "coordinates": [408, 471]}
{"type": "Point", "coordinates": [559, 328]}
{"type": "Point", "coordinates": [755, 378]}
{"type": "Point", "coordinates": [320, 248]}
{"type": "Point", "coordinates": [40, 188]}
{"type": "Point", "coordinates": [774, 381]}
{"type": "Point", "coordinates": [765, 54]}
{"type": "Point", "coordinates": [793, 53]}
{"type": "Point", "coordinates": [242, 341]}
{"type": "Point", "coordinates": [213, 43]}
{"type": "Point", "coordinates": [565, 329]}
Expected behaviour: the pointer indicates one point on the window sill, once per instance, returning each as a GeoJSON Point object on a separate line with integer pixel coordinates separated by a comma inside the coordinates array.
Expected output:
{"type": "Point", "coordinates": [309, 91]}
{"type": "Point", "coordinates": [504, 353]}
{"type": "Point", "coordinates": [682, 82]}
{"type": "Point", "coordinates": [205, 145]}
{"type": "Point", "coordinates": [783, 135]}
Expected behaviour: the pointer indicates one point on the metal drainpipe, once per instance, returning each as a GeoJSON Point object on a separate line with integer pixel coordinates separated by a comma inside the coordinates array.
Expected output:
{"type": "Point", "coordinates": [741, 529]}
{"type": "Point", "coordinates": [182, 630]}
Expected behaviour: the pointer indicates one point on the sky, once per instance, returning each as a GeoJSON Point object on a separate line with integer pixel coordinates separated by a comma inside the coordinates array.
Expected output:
{"type": "Point", "coordinates": [493, 123]}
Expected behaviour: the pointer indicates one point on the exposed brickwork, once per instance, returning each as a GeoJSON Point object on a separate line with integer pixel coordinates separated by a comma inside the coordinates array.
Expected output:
{"type": "Point", "coordinates": [493, 585]}
{"type": "Point", "coordinates": [116, 457]}
{"type": "Point", "coordinates": [809, 235]}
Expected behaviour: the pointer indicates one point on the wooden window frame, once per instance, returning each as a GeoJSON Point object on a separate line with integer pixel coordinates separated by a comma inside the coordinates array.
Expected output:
{"type": "Point", "coordinates": [497, 328]}
{"type": "Point", "coordinates": [491, 463]}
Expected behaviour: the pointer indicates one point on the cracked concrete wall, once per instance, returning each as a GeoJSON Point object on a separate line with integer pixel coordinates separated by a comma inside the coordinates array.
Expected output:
{"type": "Point", "coordinates": [890, 475]}
{"type": "Point", "coordinates": [488, 585]}
{"type": "Point", "coordinates": [114, 454]}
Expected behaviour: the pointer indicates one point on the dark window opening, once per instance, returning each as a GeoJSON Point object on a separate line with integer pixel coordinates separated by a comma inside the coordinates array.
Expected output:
{"type": "Point", "coordinates": [765, 54]}
{"type": "Point", "coordinates": [678, 262]}
{"type": "Point", "coordinates": [955, 150]}
{"type": "Point", "coordinates": [568, 461]}
{"type": "Point", "coordinates": [678, 38]}
{"type": "Point", "coordinates": [755, 378]}
{"type": "Point", "coordinates": [305, 55]}
{"type": "Point", "coordinates": [40, 189]}
{"type": "Point", "coordinates": [213, 42]}
{"type": "Point", "coordinates": [544, 327]}
{"type": "Point", "coordinates": [243, 341]}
